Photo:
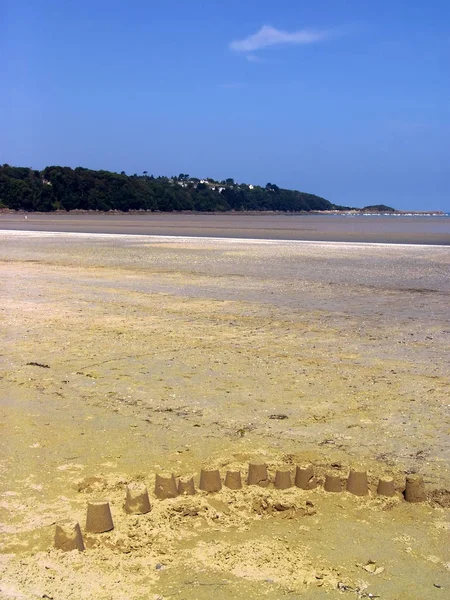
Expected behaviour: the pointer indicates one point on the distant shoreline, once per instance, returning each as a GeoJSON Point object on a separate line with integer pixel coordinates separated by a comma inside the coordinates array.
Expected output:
{"type": "Point", "coordinates": [421, 230]}
{"type": "Point", "coordinates": [358, 212]}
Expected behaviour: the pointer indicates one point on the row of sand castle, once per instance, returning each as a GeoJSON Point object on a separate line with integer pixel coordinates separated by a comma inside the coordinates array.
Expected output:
{"type": "Point", "coordinates": [99, 520]}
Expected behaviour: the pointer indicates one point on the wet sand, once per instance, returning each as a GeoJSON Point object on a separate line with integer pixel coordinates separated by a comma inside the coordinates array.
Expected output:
{"type": "Point", "coordinates": [163, 355]}
{"type": "Point", "coordinates": [409, 230]}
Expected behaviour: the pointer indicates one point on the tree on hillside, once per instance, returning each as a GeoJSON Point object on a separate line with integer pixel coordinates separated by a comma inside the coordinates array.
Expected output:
{"type": "Point", "coordinates": [57, 188]}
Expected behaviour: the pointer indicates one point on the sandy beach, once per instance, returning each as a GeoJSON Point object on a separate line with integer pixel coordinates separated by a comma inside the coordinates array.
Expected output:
{"type": "Point", "coordinates": [129, 355]}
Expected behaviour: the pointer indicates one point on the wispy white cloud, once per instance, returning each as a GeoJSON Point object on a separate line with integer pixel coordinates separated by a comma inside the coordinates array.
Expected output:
{"type": "Point", "coordinates": [270, 36]}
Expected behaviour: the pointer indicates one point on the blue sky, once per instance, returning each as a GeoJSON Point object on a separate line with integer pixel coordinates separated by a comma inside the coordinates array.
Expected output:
{"type": "Point", "coordinates": [348, 99]}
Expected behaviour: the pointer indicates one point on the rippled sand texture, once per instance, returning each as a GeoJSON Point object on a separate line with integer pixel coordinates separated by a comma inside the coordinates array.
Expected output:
{"type": "Point", "coordinates": [156, 354]}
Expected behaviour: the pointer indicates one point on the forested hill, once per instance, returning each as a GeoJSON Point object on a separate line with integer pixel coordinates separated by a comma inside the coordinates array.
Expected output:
{"type": "Point", "coordinates": [63, 188]}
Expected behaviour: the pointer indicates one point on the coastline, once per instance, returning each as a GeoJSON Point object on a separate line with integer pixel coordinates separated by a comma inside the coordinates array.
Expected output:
{"type": "Point", "coordinates": [187, 239]}
{"type": "Point", "coordinates": [427, 230]}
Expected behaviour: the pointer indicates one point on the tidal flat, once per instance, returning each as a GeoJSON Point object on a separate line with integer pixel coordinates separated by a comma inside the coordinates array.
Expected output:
{"type": "Point", "coordinates": [396, 229]}
{"type": "Point", "coordinates": [124, 356]}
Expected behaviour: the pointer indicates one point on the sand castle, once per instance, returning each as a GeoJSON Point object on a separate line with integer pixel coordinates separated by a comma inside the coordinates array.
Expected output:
{"type": "Point", "coordinates": [68, 535]}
